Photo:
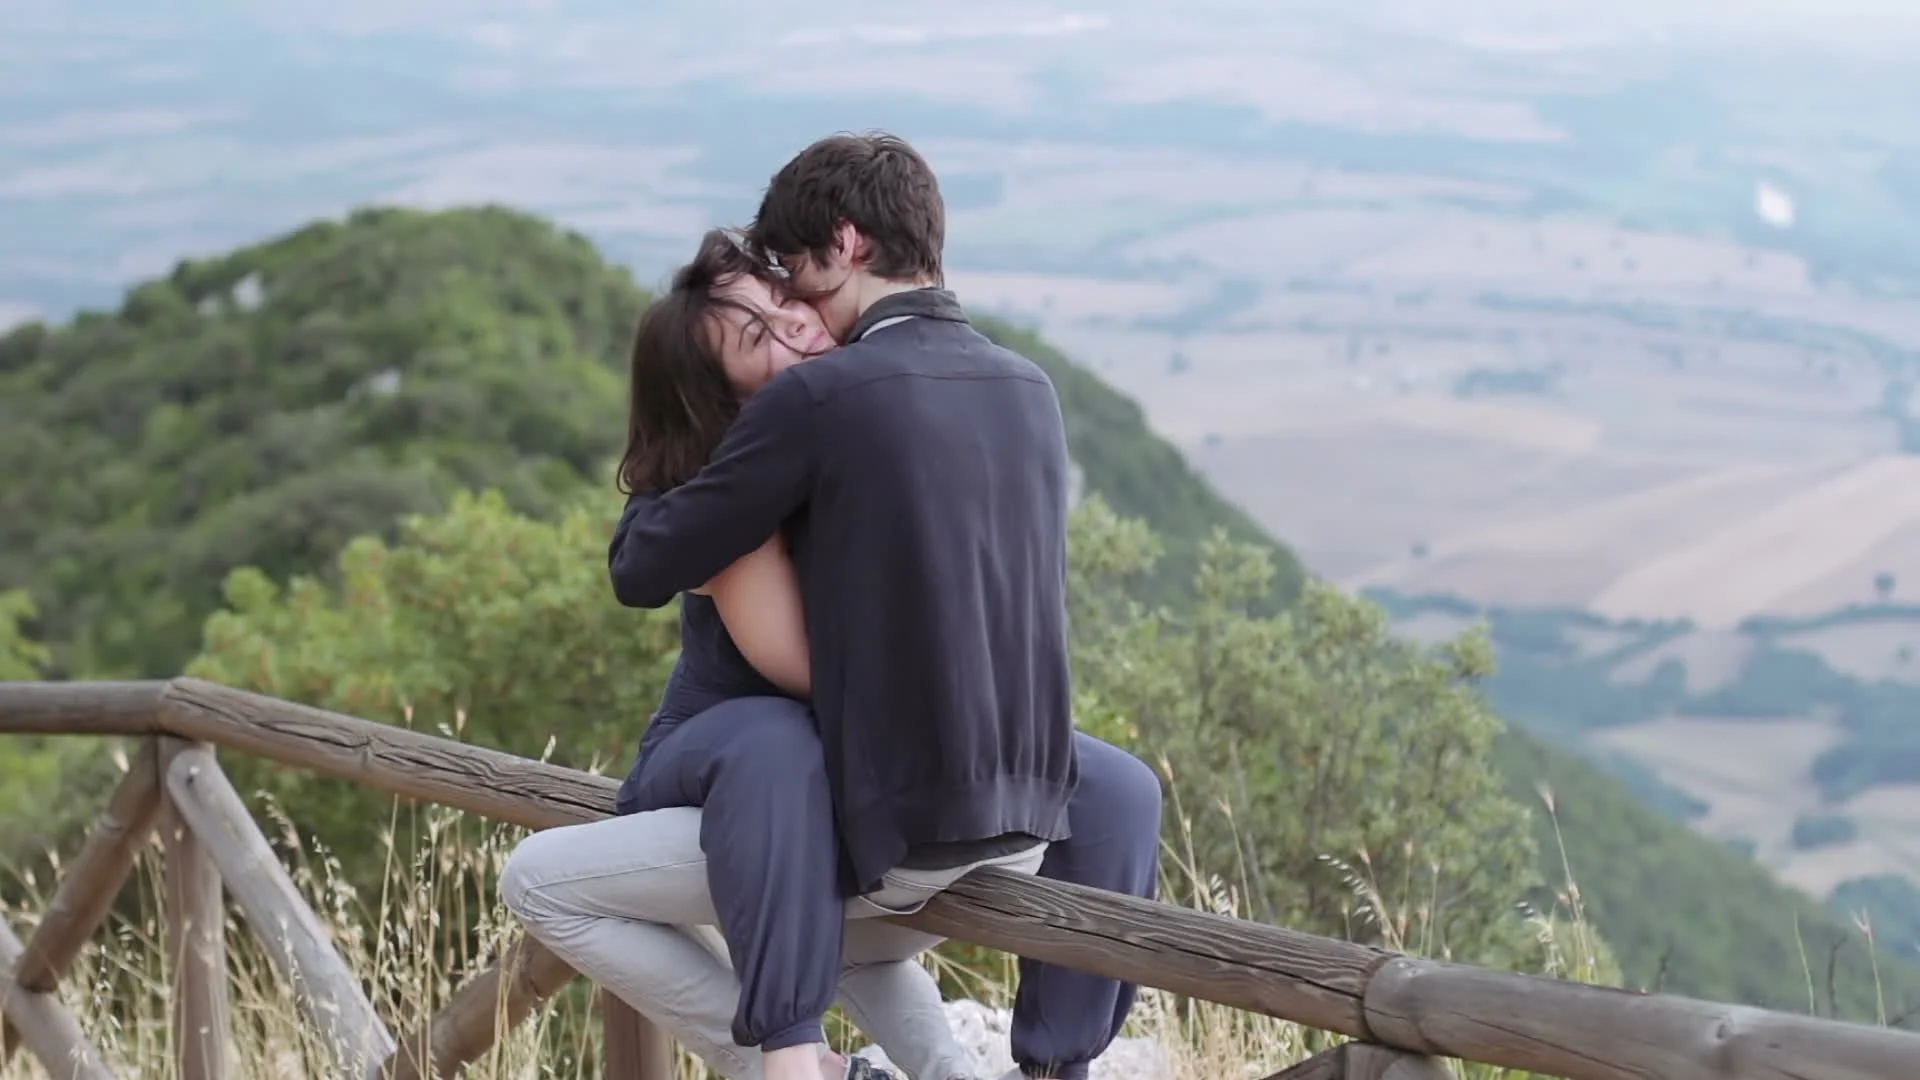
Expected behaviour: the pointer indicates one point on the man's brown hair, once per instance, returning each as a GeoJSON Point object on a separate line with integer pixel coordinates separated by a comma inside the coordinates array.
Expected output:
{"type": "Point", "coordinates": [877, 183]}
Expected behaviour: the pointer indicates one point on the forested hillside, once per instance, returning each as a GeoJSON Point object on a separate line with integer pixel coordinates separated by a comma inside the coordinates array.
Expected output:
{"type": "Point", "coordinates": [1142, 475]}
{"type": "Point", "coordinates": [261, 409]}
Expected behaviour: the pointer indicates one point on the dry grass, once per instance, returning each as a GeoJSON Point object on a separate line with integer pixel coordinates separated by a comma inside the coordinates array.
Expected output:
{"type": "Point", "coordinates": [437, 920]}
{"type": "Point", "coordinates": [433, 923]}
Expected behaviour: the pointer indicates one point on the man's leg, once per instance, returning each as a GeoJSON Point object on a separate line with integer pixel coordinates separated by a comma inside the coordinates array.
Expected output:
{"type": "Point", "coordinates": [1062, 1018]}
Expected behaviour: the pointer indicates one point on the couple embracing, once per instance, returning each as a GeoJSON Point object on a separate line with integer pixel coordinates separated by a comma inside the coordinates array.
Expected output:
{"type": "Point", "coordinates": [861, 502]}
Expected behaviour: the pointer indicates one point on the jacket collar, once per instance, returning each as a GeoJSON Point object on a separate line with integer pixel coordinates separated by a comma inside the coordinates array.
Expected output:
{"type": "Point", "coordinates": [928, 303]}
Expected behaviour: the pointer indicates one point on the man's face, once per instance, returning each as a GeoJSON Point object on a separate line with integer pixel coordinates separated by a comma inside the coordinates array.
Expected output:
{"type": "Point", "coordinates": [829, 283]}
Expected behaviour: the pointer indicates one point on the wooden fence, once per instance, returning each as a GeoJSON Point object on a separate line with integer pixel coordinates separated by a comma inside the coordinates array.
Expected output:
{"type": "Point", "coordinates": [1401, 1013]}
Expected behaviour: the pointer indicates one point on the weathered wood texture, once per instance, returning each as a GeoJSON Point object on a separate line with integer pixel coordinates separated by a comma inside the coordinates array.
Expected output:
{"type": "Point", "coordinates": [1593, 1033]}
{"type": "Point", "coordinates": [93, 880]}
{"type": "Point", "coordinates": [1545, 1025]}
{"type": "Point", "coordinates": [91, 883]}
{"type": "Point", "coordinates": [89, 708]}
{"type": "Point", "coordinates": [631, 1047]}
{"type": "Point", "coordinates": [470, 1023]}
{"type": "Point", "coordinates": [299, 946]}
{"type": "Point", "coordinates": [42, 1024]}
{"type": "Point", "coordinates": [1365, 1061]}
{"type": "Point", "coordinates": [1311, 980]}
{"type": "Point", "coordinates": [196, 939]}
{"type": "Point", "coordinates": [408, 763]}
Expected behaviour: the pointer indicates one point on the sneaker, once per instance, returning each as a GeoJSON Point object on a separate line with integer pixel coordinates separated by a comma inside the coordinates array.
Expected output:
{"type": "Point", "coordinates": [859, 1068]}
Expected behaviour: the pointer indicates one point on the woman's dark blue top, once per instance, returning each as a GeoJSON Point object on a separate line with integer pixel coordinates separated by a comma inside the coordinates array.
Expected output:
{"type": "Point", "coordinates": [710, 670]}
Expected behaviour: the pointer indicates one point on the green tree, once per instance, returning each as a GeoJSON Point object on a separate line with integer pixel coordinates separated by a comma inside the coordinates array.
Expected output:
{"type": "Point", "coordinates": [45, 783]}
{"type": "Point", "coordinates": [20, 656]}
{"type": "Point", "coordinates": [263, 407]}
{"type": "Point", "coordinates": [479, 622]}
{"type": "Point", "coordinates": [1341, 776]}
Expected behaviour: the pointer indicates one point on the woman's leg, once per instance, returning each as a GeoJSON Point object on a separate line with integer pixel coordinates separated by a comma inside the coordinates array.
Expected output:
{"type": "Point", "coordinates": [896, 1001]}
{"type": "Point", "coordinates": [583, 890]}
{"type": "Point", "coordinates": [1062, 1018]}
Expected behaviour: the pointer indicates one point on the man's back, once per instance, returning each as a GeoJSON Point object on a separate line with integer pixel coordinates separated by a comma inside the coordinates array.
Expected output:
{"type": "Point", "coordinates": [933, 561]}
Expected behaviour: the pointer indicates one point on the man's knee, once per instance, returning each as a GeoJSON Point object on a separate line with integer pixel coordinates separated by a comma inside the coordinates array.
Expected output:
{"type": "Point", "coordinates": [1143, 796]}
{"type": "Point", "coordinates": [1115, 784]}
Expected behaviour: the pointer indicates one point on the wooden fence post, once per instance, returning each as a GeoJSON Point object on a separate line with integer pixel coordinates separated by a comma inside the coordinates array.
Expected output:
{"type": "Point", "coordinates": [299, 947]}
{"type": "Point", "coordinates": [43, 1025]}
{"type": "Point", "coordinates": [632, 1048]}
{"type": "Point", "coordinates": [91, 883]}
{"type": "Point", "coordinates": [196, 938]}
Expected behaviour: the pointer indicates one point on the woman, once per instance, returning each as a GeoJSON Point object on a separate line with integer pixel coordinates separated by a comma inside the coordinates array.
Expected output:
{"type": "Point", "coordinates": [612, 897]}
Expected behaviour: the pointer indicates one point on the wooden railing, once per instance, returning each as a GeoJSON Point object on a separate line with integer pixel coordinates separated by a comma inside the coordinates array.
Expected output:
{"type": "Point", "coordinates": [1401, 1013]}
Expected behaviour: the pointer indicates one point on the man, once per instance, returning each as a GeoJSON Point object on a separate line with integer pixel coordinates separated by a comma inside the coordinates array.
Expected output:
{"type": "Point", "coordinates": [920, 472]}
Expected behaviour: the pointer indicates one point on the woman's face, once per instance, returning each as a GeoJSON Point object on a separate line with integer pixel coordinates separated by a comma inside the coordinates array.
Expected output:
{"type": "Point", "coordinates": [754, 350]}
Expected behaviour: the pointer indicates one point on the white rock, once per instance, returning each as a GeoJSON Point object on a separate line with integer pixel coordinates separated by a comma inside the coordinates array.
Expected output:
{"type": "Point", "coordinates": [982, 1033]}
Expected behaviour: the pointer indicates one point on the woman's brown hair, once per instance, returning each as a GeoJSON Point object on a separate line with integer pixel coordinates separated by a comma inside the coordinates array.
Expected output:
{"type": "Point", "coordinates": [679, 400]}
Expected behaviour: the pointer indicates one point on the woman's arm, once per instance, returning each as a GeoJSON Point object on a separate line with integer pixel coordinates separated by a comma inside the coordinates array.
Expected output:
{"type": "Point", "coordinates": [759, 601]}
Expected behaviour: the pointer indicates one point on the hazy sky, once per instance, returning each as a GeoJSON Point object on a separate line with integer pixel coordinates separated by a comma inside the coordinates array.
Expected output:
{"type": "Point", "coordinates": [132, 131]}
{"type": "Point", "coordinates": [1858, 20]}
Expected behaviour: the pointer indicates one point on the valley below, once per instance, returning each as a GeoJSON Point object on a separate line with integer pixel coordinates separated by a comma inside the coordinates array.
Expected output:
{"type": "Point", "coordinates": [1676, 474]}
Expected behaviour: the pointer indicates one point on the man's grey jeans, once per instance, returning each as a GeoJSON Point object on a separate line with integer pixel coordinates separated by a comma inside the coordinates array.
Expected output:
{"type": "Point", "coordinates": [625, 901]}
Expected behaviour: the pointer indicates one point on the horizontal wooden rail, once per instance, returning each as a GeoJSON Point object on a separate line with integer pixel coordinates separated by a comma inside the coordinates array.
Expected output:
{"type": "Point", "coordinates": [1401, 1003]}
